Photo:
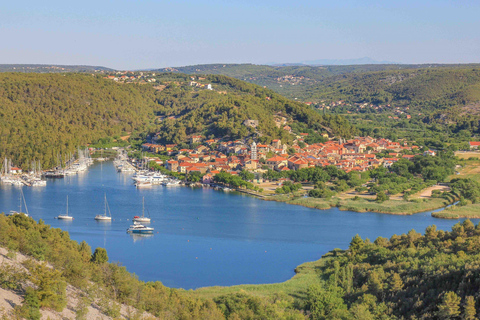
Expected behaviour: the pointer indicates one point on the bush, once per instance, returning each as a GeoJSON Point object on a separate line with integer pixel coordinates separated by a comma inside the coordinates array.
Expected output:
{"type": "Point", "coordinates": [381, 197]}
{"type": "Point", "coordinates": [31, 305]}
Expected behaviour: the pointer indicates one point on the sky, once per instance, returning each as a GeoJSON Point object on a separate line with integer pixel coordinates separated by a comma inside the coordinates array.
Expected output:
{"type": "Point", "coordinates": [137, 34]}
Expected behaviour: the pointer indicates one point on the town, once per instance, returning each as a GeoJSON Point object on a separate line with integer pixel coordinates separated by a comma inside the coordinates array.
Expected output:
{"type": "Point", "coordinates": [212, 156]}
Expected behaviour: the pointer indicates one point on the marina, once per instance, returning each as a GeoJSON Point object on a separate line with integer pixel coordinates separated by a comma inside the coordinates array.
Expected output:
{"type": "Point", "coordinates": [36, 177]}
{"type": "Point", "coordinates": [201, 237]}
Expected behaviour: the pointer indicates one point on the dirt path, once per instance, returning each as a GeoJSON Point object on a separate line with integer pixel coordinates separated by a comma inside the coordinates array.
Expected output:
{"type": "Point", "coordinates": [427, 193]}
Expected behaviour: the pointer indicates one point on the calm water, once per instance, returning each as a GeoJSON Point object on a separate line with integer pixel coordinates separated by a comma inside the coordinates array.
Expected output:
{"type": "Point", "coordinates": [202, 237]}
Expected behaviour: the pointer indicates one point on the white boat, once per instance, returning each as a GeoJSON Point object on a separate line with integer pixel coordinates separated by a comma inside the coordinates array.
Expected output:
{"type": "Point", "coordinates": [38, 183]}
{"type": "Point", "coordinates": [171, 183]}
{"type": "Point", "coordinates": [142, 218]}
{"type": "Point", "coordinates": [143, 184]}
{"type": "Point", "coordinates": [136, 228]}
{"type": "Point", "coordinates": [104, 217]}
{"type": "Point", "coordinates": [21, 199]}
{"type": "Point", "coordinates": [65, 216]}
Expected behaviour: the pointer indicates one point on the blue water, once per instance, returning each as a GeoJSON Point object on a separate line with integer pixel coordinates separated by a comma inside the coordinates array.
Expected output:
{"type": "Point", "coordinates": [202, 237]}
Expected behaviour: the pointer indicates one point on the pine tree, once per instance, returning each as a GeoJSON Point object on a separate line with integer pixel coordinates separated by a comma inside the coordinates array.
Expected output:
{"type": "Point", "coordinates": [450, 307]}
{"type": "Point", "coordinates": [469, 312]}
{"type": "Point", "coordinates": [356, 243]}
{"type": "Point", "coordinates": [396, 283]}
{"type": "Point", "coordinates": [100, 256]}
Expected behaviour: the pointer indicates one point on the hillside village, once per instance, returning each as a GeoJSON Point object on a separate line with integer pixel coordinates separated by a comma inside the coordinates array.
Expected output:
{"type": "Point", "coordinates": [211, 156]}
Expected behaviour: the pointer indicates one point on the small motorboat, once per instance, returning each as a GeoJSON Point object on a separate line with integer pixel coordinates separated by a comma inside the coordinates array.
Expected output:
{"type": "Point", "coordinates": [139, 229]}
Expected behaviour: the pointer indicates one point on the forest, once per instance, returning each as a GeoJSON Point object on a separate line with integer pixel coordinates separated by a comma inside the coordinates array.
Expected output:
{"type": "Point", "coordinates": [44, 116]}
{"type": "Point", "coordinates": [221, 112]}
{"type": "Point", "coordinates": [355, 83]}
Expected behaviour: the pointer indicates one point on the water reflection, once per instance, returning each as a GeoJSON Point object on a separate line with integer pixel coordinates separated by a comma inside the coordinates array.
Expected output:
{"type": "Point", "coordinates": [140, 237]}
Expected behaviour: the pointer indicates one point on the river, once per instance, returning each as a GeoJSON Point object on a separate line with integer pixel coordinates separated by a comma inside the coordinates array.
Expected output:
{"type": "Point", "coordinates": [202, 237]}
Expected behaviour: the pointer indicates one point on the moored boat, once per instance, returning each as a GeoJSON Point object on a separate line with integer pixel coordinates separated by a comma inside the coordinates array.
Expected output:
{"type": "Point", "coordinates": [104, 216]}
{"type": "Point", "coordinates": [139, 229]}
{"type": "Point", "coordinates": [21, 200]}
{"type": "Point", "coordinates": [65, 216]}
{"type": "Point", "coordinates": [142, 218]}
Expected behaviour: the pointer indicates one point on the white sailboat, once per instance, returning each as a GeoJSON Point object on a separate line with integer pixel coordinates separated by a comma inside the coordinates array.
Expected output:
{"type": "Point", "coordinates": [104, 217]}
{"type": "Point", "coordinates": [65, 216]}
{"type": "Point", "coordinates": [142, 218]}
{"type": "Point", "coordinates": [21, 199]}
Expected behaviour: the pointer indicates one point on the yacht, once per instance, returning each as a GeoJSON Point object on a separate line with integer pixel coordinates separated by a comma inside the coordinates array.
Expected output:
{"type": "Point", "coordinates": [142, 218]}
{"type": "Point", "coordinates": [38, 183]}
{"type": "Point", "coordinates": [65, 216]}
{"type": "Point", "coordinates": [104, 216]}
{"type": "Point", "coordinates": [21, 200]}
{"type": "Point", "coordinates": [143, 184]}
{"type": "Point", "coordinates": [139, 228]}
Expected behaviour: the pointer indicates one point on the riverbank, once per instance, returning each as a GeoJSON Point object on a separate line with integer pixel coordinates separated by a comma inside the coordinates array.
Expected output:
{"type": "Point", "coordinates": [397, 207]}
{"type": "Point", "coordinates": [470, 211]}
{"type": "Point", "coordinates": [305, 276]}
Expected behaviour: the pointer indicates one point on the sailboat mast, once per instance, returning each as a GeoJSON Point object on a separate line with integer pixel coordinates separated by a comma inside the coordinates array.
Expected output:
{"type": "Point", "coordinates": [67, 205]}
{"type": "Point", "coordinates": [24, 202]}
{"type": "Point", "coordinates": [143, 207]}
{"type": "Point", "coordinates": [105, 213]}
{"type": "Point", "coordinates": [20, 201]}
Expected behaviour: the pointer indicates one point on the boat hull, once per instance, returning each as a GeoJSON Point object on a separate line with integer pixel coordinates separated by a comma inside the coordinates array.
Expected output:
{"type": "Point", "coordinates": [65, 218]}
{"type": "Point", "coordinates": [103, 218]}
{"type": "Point", "coordinates": [140, 231]}
{"type": "Point", "coordinates": [144, 220]}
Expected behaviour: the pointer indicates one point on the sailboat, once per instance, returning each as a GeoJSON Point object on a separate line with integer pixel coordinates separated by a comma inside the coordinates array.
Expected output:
{"type": "Point", "coordinates": [104, 217]}
{"type": "Point", "coordinates": [21, 199]}
{"type": "Point", "coordinates": [142, 218]}
{"type": "Point", "coordinates": [65, 216]}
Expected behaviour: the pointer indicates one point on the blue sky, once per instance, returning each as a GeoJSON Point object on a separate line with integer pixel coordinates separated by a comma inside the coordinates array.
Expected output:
{"type": "Point", "coordinates": [147, 34]}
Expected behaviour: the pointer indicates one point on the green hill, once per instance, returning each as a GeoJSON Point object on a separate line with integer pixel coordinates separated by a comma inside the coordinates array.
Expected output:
{"type": "Point", "coordinates": [44, 115]}
{"type": "Point", "coordinates": [309, 83]}
{"type": "Point", "coordinates": [221, 112]}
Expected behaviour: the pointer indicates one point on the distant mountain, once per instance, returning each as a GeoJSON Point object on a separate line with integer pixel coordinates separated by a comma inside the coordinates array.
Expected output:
{"type": "Point", "coordinates": [335, 62]}
{"type": "Point", "coordinates": [51, 68]}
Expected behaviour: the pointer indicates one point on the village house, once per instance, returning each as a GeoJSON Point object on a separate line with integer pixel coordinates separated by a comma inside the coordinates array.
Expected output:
{"type": "Point", "coordinates": [275, 163]}
{"type": "Point", "coordinates": [250, 123]}
{"type": "Point", "coordinates": [207, 179]}
{"type": "Point", "coordinates": [474, 145]}
{"type": "Point", "coordinates": [172, 165]}
{"type": "Point", "coordinates": [195, 139]}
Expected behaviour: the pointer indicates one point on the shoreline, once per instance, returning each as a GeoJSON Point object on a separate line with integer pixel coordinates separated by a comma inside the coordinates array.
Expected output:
{"type": "Point", "coordinates": [329, 204]}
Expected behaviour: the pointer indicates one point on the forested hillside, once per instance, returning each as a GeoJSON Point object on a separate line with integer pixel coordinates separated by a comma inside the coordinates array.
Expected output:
{"type": "Point", "coordinates": [221, 112]}
{"type": "Point", "coordinates": [315, 83]}
{"type": "Point", "coordinates": [426, 88]}
{"type": "Point", "coordinates": [434, 276]}
{"type": "Point", "coordinates": [44, 115]}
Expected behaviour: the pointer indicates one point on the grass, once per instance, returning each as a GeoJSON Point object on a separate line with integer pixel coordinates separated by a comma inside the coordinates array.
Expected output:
{"type": "Point", "coordinates": [466, 155]}
{"type": "Point", "coordinates": [400, 207]}
{"type": "Point", "coordinates": [306, 275]}
{"type": "Point", "coordinates": [470, 169]}
{"type": "Point", "coordinates": [471, 211]}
